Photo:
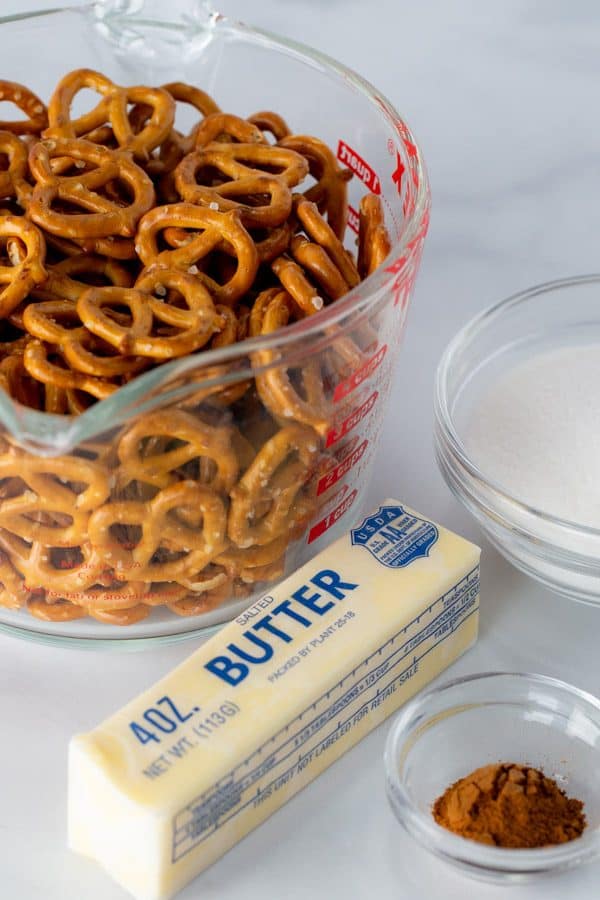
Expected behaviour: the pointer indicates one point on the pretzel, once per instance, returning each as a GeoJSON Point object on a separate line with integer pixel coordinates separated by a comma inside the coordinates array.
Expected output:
{"type": "Point", "coordinates": [276, 476]}
{"type": "Point", "coordinates": [111, 108]}
{"type": "Point", "coordinates": [270, 122]}
{"type": "Point", "coordinates": [321, 233]}
{"type": "Point", "coordinates": [57, 322]}
{"type": "Point", "coordinates": [330, 191]}
{"type": "Point", "coordinates": [193, 326]}
{"type": "Point", "coordinates": [297, 285]}
{"type": "Point", "coordinates": [201, 441]}
{"type": "Point", "coordinates": [273, 384]}
{"type": "Point", "coordinates": [38, 364]}
{"type": "Point", "coordinates": [243, 187]}
{"type": "Point", "coordinates": [176, 144]}
{"type": "Point", "coordinates": [160, 526]}
{"type": "Point", "coordinates": [373, 239]}
{"type": "Point", "coordinates": [314, 259]}
{"type": "Point", "coordinates": [269, 242]}
{"type": "Point", "coordinates": [15, 152]}
{"type": "Point", "coordinates": [60, 124]}
{"type": "Point", "coordinates": [208, 229]}
{"type": "Point", "coordinates": [187, 93]}
{"type": "Point", "coordinates": [26, 251]}
{"type": "Point", "coordinates": [157, 128]}
{"type": "Point", "coordinates": [224, 127]}
{"type": "Point", "coordinates": [192, 96]}
{"type": "Point", "coordinates": [27, 101]}
{"type": "Point", "coordinates": [103, 217]}
{"type": "Point", "coordinates": [207, 591]}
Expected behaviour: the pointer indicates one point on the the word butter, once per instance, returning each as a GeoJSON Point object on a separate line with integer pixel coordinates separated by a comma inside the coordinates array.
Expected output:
{"type": "Point", "coordinates": [172, 781]}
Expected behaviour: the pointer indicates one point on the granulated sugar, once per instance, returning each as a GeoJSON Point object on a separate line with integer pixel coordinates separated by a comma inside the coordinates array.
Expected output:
{"type": "Point", "coordinates": [536, 432]}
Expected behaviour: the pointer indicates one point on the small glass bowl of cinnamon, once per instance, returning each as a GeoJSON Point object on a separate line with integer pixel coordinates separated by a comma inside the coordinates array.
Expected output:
{"type": "Point", "coordinates": [530, 720]}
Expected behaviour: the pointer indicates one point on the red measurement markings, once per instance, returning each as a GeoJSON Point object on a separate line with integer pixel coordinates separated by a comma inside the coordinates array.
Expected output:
{"type": "Point", "coordinates": [325, 524]}
{"type": "Point", "coordinates": [357, 164]}
{"type": "Point", "coordinates": [351, 421]}
{"type": "Point", "coordinates": [398, 173]}
{"type": "Point", "coordinates": [353, 219]}
{"type": "Point", "coordinates": [342, 469]}
{"type": "Point", "coordinates": [366, 370]}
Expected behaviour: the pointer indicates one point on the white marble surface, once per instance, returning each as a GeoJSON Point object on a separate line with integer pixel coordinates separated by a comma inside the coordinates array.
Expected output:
{"type": "Point", "coordinates": [504, 100]}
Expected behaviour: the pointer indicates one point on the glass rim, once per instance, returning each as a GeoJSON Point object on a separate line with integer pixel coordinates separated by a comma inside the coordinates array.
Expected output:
{"type": "Point", "coordinates": [33, 427]}
{"type": "Point", "coordinates": [445, 843]}
{"type": "Point", "coordinates": [444, 420]}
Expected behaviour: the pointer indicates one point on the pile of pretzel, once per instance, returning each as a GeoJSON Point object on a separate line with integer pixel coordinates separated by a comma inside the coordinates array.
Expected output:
{"type": "Point", "coordinates": [126, 243]}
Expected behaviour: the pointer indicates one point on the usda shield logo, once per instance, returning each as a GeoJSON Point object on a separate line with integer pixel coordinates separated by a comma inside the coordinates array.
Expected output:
{"type": "Point", "coordinates": [395, 537]}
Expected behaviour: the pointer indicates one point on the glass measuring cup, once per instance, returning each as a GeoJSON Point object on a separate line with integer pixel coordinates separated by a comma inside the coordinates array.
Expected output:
{"type": "Point", "coordinates": [351, 345]}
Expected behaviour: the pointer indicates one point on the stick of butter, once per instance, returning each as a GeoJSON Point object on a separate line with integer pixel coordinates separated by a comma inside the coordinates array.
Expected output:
{"type": "Point", "coordinates": [169, 783]}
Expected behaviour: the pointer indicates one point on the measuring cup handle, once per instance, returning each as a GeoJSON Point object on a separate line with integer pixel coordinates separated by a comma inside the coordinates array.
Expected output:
{"type": "Point", "coordinates": [187, 12]}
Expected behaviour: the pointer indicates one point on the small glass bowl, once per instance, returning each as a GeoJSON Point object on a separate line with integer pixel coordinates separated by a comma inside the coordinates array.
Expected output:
{"type": "Point", "coordinates": [563, 555]}
{"type": "Point", "coordinates": [445, 733]}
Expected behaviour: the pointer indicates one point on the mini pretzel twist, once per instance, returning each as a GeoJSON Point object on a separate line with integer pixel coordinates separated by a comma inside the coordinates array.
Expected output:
{"type": "Point", "coordinates": [199, 100]}
{"type": "Point", "coordinates": [112, 108]}
{"type": "Point", "coordinates": [373, 239]}
{"type": "Point", "coordinates": [39, 365]}
{"type": "Point", "coordinates": [60, 124]}
{"type": "Point", "coordinates": [325, 258]}
{"type": "Point", "coordinates": [176, 144]}
{"type": "Point", "coordinates": [270, 122]}
{"type": "Point", "coordinates": [192, 327]}
{"type": "Point", "coordinates": [272, 311]}
{"type": "Point", "coordinates": [297, 285]}
{"type": "Point", "coordinates": [243, 186]}
{"type": "Point", "coordinates": [26, 250]}
{"type": "Point", "coordinates": [161, 527]}
{"type": "Point", "coordinates": [155, 130]}
{"type": "Point", "coordinates": [29, 103]}
{"type": "Point", "coordinates": [224, 127]}
{"type": "Point", "coordinates": [35, 562]}
{"type": "Point", "coordinates": [51, 510]}
{"type": "Point", "coordinates": [330, 192]}
{"type": "Point", "coordinates": [275, 479]}
{"type": "Point", "coordinates": [323, 234]}
{"type": "Point", "coordinates": [314, 260]}
{"type": "Point", "coordinates": [101, 217]}
{"type": "Point", "coordinates": [197, 441]}
{"type": "Point", "coordinates": [207, 229]}
{"type": "Point", "coordinates": [57, 322]}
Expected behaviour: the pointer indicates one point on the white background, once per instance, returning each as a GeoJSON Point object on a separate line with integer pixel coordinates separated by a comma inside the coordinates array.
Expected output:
{"type": "Point", "coordinates": [504, 100]}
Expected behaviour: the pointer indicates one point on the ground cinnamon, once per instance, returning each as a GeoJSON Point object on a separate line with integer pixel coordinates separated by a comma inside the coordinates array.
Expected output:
{"type": "Point", "coordinates": [509, 805]}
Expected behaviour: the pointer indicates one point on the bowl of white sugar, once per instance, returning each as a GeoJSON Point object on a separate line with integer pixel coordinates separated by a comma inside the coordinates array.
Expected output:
{"type": "Point", "coordinates": [517, 430]}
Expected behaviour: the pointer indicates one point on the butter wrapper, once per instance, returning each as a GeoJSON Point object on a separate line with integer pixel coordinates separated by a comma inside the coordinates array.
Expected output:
{"type": "Point", "coordinates": [168, 784]}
